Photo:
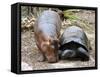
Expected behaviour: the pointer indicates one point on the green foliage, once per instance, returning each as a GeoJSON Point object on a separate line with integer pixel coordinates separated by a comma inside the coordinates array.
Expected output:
{"type": "Point", "coordinates": [70, 15]}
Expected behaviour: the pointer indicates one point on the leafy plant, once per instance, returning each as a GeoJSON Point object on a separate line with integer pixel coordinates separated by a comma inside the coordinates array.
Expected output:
{"type": "Point", "coordinates": [70, 15]}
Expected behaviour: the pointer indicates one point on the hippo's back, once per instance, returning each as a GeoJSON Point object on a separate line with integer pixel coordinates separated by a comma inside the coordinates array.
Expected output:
{"type": "Point", "coordinates": [49, 17]}
{"type": "Point", "coordinates": [49, 22]}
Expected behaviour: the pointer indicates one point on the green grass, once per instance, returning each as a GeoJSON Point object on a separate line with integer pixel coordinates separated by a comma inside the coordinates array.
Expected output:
{"type": "Point", "coordinates": [70, 15]}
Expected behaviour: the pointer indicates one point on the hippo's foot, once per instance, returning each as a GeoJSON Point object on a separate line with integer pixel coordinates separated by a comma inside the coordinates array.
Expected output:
{"type": "Point", "coordinates": [59, 53]}
{"type": "Point", "coordinates": [52, 61]}
{"type": "Point", "coordinates": [41, 58]}
{"type": "Point", "coordinates": [83, 54]}
{"type": "Point", "coordinates": [68, 54]}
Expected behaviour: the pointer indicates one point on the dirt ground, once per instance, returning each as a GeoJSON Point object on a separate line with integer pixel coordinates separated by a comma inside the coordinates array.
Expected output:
{"type": "Point", "coordinates": [30, 54]}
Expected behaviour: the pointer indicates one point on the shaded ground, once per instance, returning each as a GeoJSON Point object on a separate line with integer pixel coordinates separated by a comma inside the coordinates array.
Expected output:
{"type": "Point", "coordinates": [30, 54]}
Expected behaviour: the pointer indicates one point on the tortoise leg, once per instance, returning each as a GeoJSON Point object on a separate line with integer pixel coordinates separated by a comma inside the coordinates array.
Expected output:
{"type": "Point", "coordinates": [68, 54]}
{"type": "Point", "coordinates": [83, 54]}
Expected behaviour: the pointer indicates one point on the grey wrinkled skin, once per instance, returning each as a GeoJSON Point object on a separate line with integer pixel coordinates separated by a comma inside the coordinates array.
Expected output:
{"type": "Point", "coordinates": [74, 44]}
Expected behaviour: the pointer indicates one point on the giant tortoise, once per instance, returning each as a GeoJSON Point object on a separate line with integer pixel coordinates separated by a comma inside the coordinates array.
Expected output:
{"type": "Point", "coordinates": [74, 44]}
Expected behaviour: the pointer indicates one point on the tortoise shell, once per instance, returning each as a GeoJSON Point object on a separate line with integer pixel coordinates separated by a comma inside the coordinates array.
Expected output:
{"type": "Point", "coordinates": [72, 39]}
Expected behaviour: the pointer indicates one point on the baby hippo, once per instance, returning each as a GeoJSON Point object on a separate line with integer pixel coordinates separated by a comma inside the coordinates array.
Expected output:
{"type": "Point", "coordinates": [74, 44]}
{"type": "Point", "coordinates": [47, 32]}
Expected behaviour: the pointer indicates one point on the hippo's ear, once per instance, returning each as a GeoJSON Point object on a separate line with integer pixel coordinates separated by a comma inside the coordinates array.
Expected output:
{"type": "Point", "coordinates": [61, 14]}
{"type": "Point", "coordinates": [56, 42]}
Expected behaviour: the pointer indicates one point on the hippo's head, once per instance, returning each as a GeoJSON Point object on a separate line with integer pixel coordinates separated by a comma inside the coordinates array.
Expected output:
{"type": "Point", "coordinates": [50, 49]}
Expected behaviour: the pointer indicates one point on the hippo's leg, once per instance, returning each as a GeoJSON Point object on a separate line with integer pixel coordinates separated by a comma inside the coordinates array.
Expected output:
{"type": "Point", "coordinates": [83, 54]}
{"type": "Point", "coordinates": [68, 54]}
{"type": "Point", "coordinates": [59, 53]}
{"type": "Point", "coordinates": [42, 57]}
